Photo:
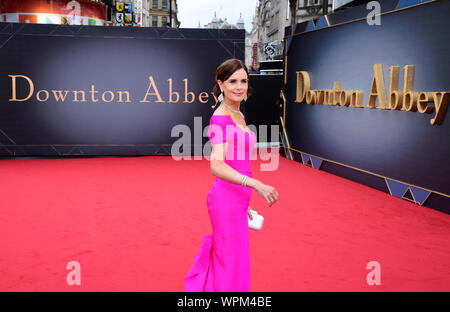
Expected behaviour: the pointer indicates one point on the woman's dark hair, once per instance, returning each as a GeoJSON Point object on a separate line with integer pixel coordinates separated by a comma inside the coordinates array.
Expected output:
{"type": "Point", "coordinates": [224, 71]}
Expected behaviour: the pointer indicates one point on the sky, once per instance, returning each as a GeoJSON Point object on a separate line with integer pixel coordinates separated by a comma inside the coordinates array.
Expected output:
{"type": "Point", "coordinates": [190, 12]}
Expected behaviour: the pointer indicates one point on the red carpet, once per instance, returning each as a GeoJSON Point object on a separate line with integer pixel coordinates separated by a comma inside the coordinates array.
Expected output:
{"type": "Point", "coordinates": [135, 224]}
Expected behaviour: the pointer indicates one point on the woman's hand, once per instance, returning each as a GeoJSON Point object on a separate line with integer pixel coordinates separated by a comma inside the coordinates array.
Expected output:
{"type": "Point", "coordinates": [267, 192]}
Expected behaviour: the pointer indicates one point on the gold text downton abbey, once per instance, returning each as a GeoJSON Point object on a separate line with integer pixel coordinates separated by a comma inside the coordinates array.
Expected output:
{"type": "Point", "coordinates": [404, 100]}
{"type": "Point", "coordinates": [92, 95]}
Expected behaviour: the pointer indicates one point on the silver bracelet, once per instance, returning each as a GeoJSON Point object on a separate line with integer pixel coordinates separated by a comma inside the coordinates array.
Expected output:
{"type": "Point", "coordinates": [244, 180]}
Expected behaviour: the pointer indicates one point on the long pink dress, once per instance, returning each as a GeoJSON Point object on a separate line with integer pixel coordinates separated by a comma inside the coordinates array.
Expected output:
{"type": "Point", "coordinates": [223, 262]}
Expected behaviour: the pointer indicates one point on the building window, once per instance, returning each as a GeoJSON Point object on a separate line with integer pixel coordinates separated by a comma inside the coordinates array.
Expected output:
{"type": "Point", "coordinates": [155, 4]}
{"type": "Point", "coordinates": [154, 21]}
{"type": "Point", "coordinates": [164, 4]}
{"type": "Point", "coordinates": [164, 21]}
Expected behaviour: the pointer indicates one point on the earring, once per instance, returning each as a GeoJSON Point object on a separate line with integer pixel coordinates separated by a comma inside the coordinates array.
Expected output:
{"type": "Point", "coordinates": [245, 98]}
{"type": "Point", "coordinates": [220, 98]}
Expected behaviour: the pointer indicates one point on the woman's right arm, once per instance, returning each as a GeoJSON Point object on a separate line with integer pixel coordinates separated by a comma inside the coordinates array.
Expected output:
{"type": "Point", "coordinates": [220, 169]}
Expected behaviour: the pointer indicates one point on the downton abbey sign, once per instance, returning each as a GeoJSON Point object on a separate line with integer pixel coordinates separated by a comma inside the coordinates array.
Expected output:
{"type": "Point", "coordinates": [153, 93]}
{"type": "Point", "coordinates": [406, 99]}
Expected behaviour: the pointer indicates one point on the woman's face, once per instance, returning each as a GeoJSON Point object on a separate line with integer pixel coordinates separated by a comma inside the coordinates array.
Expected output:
{"type": "Point", "coordinates": [235, 87]}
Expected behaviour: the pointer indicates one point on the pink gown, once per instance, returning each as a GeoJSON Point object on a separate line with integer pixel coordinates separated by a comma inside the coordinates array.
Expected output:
{"type": "Point", "coordinates": [223, 262]}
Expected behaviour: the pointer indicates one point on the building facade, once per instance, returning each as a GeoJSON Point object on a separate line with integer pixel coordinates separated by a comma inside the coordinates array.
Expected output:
{"type": "Point", "coordinates": [163, 13]}
{"type": "Point", "coordinates": [306, 10]}
{"type": "Point", "coordinates": [266, 39]}
{"type": "Point", "coordinates": [81, 12]}
{"type": "Point", "coordinates": [219, 23]}
{"type": "Point", "coordinates": [131, 13]}
{"type": "Point", "coordinates": [267, 34]}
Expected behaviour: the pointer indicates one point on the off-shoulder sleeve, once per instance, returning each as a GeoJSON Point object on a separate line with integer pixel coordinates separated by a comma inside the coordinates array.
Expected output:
{"type": "Point", "coordinates": [217, 129]}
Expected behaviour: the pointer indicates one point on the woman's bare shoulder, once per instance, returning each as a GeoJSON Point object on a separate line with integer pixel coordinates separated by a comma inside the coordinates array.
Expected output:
{"type": "Point", "coordinates": [219, 111]}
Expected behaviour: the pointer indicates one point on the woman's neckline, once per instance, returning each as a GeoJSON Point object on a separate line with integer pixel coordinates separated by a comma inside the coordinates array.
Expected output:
{"type": "Point", "coordinates": [235, 122]}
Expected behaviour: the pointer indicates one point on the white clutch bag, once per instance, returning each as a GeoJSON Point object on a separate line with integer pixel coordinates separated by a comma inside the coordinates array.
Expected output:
{"type": "Point", "coordinates": [257, 222]}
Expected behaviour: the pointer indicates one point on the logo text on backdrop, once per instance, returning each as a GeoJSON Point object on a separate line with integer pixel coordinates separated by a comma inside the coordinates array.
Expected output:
{"type": "Point", "coordinates": [404, 100]}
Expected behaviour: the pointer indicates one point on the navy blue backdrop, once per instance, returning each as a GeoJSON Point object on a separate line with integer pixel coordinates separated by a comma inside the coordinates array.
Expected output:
{"type": "Point", "coordinates": [61, 57]}
{"type": "Point", "coordinates": [399, 145]}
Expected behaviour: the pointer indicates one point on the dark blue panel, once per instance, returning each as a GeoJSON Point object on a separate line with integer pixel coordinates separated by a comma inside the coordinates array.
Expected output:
{"type": "Point", "coordinates": [438, 202]}
{"type": "Point", "coordinates": [305, 158]}
{"type": "Point", "coordinates": [355, 175]}
{"type": "Point", "coordinates": [396, 144]}
{"type": "Point", "coordinates": [299, 28]}
{"type": "Point", "coordinates": [420, 195]}
{"type": "Point", "coordinates": [288, 30]}
{"type": "Point", "coordinates": [45, 29]}
{"type": "Point", "coordinates": [196, 34]}
{"type": "Point", "coordinates": [172, 34]}
{"type": "Point", "coordinates": [261, 107]}
{"type": "Point", "coordinates": [407, 3]}
{"type": "Point", "coordinates": [321, 23]}
{"type": "Point", "coordinates": [62, 30]}
{"type": "Point", "coordinates": [397, 189]}
{"type": "Point", "coordinates": [5, 28]}
{"type": "Point", "coordinates": [309, 26]}
{"type": "Point", "coordinates": [61, 57]}
{"type": "Point", "coordinates": [316, 162]}
{"type": "Point", "coordinates": [4, 38]}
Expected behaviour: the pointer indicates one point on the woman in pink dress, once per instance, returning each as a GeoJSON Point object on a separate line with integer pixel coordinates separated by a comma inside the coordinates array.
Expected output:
{"type": "Point", "coordinates": [223, 262]}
